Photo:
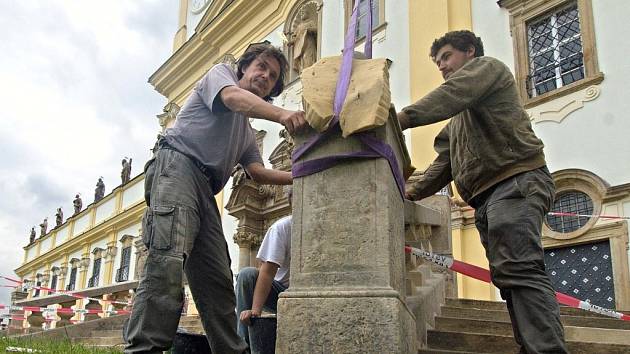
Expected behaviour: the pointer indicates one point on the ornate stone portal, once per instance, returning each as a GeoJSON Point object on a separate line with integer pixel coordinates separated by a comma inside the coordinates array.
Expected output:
{"type": "Point", "coordinates": [257, 206]}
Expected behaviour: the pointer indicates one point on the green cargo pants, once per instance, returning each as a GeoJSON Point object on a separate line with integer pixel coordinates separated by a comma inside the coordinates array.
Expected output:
{"type": "Point", "coordinates": [509, 219]}
{"type": "Point", "coordinates": [182, 231]}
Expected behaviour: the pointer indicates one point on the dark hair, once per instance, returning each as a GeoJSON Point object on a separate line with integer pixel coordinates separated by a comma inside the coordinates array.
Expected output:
{"type": "Point", "coordinates": [264, 50]}
{"type": "Point", "coordinates": [460, 40]}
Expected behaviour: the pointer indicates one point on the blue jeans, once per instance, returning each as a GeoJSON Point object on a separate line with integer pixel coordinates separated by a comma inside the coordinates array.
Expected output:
{"type": "Point", "coordinates": [245, 285]}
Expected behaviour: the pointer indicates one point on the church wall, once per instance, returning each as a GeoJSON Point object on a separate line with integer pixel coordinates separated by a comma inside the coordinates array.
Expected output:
{"type": "Point", "coordinates": [62, 235]}
{"type": "Point", "coordinates": [81, 224]}
{"type": "Point", "coordinates": [46, 244]}
{"type": "Point", "coordinates": [591, 138]}
{"type": "Point", "coordinates": [105, 210]}
{"type": "Point", "coordinates": [133, 194]}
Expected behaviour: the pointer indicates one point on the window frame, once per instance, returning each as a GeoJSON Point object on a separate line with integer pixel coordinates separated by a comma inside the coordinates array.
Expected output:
{"type": "Point", "coordinates": [72, 279]}
{"type": "Point", "coordinates": [349, 5]}
{"type": "Point", "coordinates": [523, 12]}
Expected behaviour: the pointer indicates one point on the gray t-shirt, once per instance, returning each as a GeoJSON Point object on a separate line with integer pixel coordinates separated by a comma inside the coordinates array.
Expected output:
{"type": "Point", "coordinates": [209, 132]}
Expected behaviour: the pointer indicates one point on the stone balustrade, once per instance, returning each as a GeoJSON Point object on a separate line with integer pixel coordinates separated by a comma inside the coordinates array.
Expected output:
{"type": "Point", "coordinates": [119, 292]}
{"type": "Point", "coordinates": [428, 227]}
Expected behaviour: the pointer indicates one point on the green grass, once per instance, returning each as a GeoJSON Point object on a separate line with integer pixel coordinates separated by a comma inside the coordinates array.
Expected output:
{"type": "Point", "coordinates": [51, 346]}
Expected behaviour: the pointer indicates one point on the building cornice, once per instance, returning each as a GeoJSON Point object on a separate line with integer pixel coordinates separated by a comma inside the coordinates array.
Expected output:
{"type": "Point", "coordinates": [120, 221]}
{"type": "Point", "coordinates": [220, 32]}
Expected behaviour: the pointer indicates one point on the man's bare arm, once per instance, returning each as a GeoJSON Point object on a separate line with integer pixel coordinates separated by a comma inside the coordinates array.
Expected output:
{"type": "Point", "coordinates": [266, 274]}
{"type": "Point", "coordinates": [263, 175]}
{"type": "Point", "coordinates": [242, 101]}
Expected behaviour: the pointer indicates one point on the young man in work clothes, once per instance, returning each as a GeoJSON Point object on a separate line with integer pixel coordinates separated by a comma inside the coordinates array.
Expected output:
{"type": "Point", "coordinates": [182, 225]}
{"type": "Point", "coordinates": [491, 152]}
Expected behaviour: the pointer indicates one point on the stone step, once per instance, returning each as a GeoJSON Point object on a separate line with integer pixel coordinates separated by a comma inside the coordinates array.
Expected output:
{"type": "Point", "coordinates": [488, 343]}
{"type": "Point", "coordinates": [99, 341]}
{"type": "Point", "coordinates": [572, 333]}
{"type": "Point", "coordinates": [439, 351]}
{"type": "Point", "coordinates": [108, 333]}
{"type": "Point", "coordinates": [192, 329]}
{"type": "Point", "coordinates": [188, 320]}
{"type": "Point", "coordinates": [502, 315]}
{"type": "Point", "coordinates": [500, 305]}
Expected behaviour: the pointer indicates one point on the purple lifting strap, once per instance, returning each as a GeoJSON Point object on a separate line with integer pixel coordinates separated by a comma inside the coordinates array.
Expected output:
{"type": "Point", "coordinates": [376, 148]}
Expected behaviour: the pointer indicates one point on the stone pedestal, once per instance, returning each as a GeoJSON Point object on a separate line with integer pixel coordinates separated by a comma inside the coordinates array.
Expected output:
{"type": "Point", "coordinates": [16, 325]}
{"type": "Point", "coordinates": [347, 259]}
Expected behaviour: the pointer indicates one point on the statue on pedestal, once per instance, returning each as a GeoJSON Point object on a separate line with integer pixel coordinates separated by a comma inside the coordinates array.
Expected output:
{"type": "Point", "coordinates": [78, 204]}
{"type": "Point", "coordinates": [304, 43]}
{"type": "Point", "coordinates": [125, 174]}
{"type": "Point", "coordinates": [59, 217]}
{"type": "Point", "coordinates": [99, 192]}
{"type": "Point", "coordinates": [32, 235]}
{"type": "Point", "coordinates": [43, 227]}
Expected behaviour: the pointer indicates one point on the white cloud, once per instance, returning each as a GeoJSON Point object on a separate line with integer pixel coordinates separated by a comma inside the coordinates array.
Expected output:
{"type": "Point", "coordinates": [75, 101]}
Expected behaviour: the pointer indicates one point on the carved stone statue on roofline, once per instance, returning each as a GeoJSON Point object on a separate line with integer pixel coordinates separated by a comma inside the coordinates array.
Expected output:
{"type": "Point", "coordinates": [77, 203]}
{"type": "Point", "coordinates": [59, 217]}
{"type": "Point", "coordinates": [99, 192]}
{"type": "Point", "coordinates": [125, 174]}
{"type": "Point", "coordinates": [43, 227]}
{"type": "Point", "coordinates": [32, 236]}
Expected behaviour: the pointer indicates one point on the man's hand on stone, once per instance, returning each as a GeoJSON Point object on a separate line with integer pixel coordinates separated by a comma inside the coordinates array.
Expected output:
{"type": "Point", "coordinates": [293, 121]}
{"type": "Point", "coordinates": [247, 315]}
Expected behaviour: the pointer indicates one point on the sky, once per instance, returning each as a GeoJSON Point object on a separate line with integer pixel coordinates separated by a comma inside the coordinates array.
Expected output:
{"type": "Point", "coordinates": [75, 101]}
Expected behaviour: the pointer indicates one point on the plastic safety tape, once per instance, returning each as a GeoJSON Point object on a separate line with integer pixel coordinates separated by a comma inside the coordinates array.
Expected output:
{"type": "Point", "coordinates": [484, 275]}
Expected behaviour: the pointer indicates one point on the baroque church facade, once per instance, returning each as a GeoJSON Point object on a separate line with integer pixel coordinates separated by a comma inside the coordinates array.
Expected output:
{"type": "Point", "coordinates": [568, 65]}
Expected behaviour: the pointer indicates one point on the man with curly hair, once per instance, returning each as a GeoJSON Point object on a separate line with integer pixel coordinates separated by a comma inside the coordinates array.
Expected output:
{"type": "Point", "coordinates": [490, 151]}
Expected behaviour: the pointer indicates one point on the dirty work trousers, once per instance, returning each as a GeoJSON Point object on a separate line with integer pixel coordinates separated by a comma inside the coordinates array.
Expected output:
{"type": "Point", "coordinates": [509, 219]}
{"type": "Point", "coordinates": [182, 232]}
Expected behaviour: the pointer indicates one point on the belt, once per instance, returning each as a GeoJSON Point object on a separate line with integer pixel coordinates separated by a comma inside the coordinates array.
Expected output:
{"type": "Point", "coordinates": [163, 144]}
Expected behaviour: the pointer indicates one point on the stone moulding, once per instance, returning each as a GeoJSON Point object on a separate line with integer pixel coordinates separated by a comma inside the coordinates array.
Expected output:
{"type": "Point", "coordinates": [560, 108]}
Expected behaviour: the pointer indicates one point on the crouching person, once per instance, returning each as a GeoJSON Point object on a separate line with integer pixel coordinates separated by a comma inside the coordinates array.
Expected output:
{"type": "Point", "coordinates": [258, 289]}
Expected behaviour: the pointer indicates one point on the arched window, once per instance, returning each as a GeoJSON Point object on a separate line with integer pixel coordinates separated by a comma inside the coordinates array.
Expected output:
{"type": "Point", "coordinates": [96, 268]}
{"type": "Point", "coordinates": [72, 280]}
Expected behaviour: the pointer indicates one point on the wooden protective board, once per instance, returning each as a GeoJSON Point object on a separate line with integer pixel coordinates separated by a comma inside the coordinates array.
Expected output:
{"type": "Point", "coordinates": [367, 102]}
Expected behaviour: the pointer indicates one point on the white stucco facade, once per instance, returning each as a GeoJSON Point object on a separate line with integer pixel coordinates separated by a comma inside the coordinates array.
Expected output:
{"type": "Point", "coordinates": [594, 137]}
{"type": "Point", "coordinates": [387, 43]}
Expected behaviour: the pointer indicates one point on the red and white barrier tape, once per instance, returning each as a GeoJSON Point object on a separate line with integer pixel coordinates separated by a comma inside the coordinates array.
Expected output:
{"type": "Point", "coordinates": [484, 275]}
{"type": "Point", "coordinates": [48, 310]}
{"type": "Point", "coordinates": [601, 216]}
{"type": "Point", "coordinates": [28, 285]}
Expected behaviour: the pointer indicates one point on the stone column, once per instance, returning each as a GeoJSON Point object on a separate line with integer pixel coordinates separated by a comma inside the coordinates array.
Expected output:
{"type": "Point", "coordinates": [45, 283]}
{"type": "Point", "coordinates": [109, 268]}
{"type": "Point", "coordinates": [347, 256]}
{"type": "Point", "coordinates": [244, 240]}
{"type": "Point", "coordinates": [141, 258]}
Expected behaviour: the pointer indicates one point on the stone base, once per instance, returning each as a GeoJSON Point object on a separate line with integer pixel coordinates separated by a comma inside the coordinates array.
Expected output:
{"type": "Point", "coordinates": [344, 325]}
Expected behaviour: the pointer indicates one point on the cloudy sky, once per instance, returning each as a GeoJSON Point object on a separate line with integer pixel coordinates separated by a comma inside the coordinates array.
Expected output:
{"type": "Point", "coordinates": [75, 101]}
